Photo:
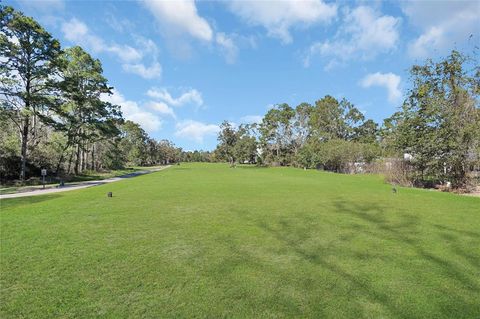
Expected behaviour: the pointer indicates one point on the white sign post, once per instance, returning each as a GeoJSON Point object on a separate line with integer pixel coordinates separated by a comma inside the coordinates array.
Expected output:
{"type": "Point", "coordinates": [44, 173]}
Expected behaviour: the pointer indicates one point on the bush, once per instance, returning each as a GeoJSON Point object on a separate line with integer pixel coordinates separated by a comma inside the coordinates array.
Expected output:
{"type": "Point", "coordinates": [337, 155]}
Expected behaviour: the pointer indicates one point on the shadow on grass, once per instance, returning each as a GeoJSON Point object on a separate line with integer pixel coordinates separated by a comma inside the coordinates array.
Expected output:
{"type": "Point", "coordinates": [406, 232]}
{"type": "Point", "coordinates": [453, 236]}
{"type": "Point", "coordinates": [238, 258]}
{"type": "Point", "coordinates": [20, 201]}
{"type": "Point", "coordinates": [475, 235]}
{"type": "Point", "coordinates": [316, 259]}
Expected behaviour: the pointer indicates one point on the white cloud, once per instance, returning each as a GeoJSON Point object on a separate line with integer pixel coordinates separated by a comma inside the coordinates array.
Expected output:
{"type": "Point", "coordinates": [77, 32]}
{"type": "Point", "coordinates": [433, 38]}
{"type": "Point", "coordinates": [118, 24]}
{"type": "Point", "coordinates": [147, 72]}
{"type": "Point", "coordinates": [389, 81]}
{"type": "Point", "coordinates": [280, 16]}
{"type": "Point", "coordinates": [195, 131]}
{"type": "Point", "coordinates": [180, 16]}
{"type": "Point", "coordinates": [132, 111]}
{"type": "Point", "coordinates": [364, 34]}
{"type": "Point", "coordinates": [250, 119]}
{"type": "Point", "coordinates": [191, 96]}
{"type": "Point", "coordinates": [443, 24]}
{"type": "Point", "coordinates": [227, 46]}
{"type": "Point", "coordinates": [162, 108]}
{"type": "Point", "coordinates": [125, 53]}
{"type": "Point", "coordinates": [74, 30]}
{"type": "Point", "coordinates": [149, 48]}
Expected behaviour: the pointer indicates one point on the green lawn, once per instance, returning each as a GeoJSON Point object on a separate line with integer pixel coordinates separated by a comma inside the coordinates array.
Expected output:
{"type": "Point", "coordinates": [207, 241]}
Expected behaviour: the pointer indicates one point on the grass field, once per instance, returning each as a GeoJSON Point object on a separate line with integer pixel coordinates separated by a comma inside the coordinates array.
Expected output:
{"type": "Point", "coordinates": [206, 241]}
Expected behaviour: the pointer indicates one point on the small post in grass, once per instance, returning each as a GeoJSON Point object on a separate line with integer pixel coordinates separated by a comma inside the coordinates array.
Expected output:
{"type": "Point", "coordinates": [109, 194]}
{"type": "Point", "coordinates": [44, 173]}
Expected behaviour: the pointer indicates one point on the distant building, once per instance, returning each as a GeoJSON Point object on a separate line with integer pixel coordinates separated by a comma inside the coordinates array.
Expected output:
{"type": "Point", "coordinates": [407, 157]}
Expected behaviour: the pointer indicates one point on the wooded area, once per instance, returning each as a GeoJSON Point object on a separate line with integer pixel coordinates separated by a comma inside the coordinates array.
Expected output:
{"type": "Point", "coordinates": [53, 116]}
{"type": "Point", "coordinates": [434, 139]}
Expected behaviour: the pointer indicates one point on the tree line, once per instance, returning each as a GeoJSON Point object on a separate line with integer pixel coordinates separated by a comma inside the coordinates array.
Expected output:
{"type": "Point", "coordinates": [52, 114]}
{"type": "Point", "coordinates": [433, 139]}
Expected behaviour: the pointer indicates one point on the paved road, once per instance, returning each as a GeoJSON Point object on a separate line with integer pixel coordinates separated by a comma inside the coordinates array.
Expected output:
{"type": "Point", "coordinates": [79, 185]}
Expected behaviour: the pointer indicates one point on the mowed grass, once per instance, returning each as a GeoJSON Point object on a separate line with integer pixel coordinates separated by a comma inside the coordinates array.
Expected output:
{"type": "Point", "coordinates": [207, 241]}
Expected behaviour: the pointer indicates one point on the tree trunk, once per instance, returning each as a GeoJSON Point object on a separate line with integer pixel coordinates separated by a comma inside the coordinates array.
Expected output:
{"type": "Point", "coordinates": [57, 170]}
{"type": "Point", "coordinates": [278, 152]}
{"type": "Point", "coordinates": [93, 157]}
{"type": "Point", "coordinates": [23, 165]}
{"type": "Point", "coordinates": [70, 162]}
{"type": "Point", "coordinates": [62, 157]}
{"type": "Point", "coordinates": [84, 159]}
{"type": "Point", "coordinates": [77, 160]}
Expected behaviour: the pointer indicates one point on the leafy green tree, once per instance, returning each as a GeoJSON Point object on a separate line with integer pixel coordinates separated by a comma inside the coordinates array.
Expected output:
{"type": "Point", "coordinates": [245, 148]}
{"type": "Point", "coordinates": [110, 155]}
{"type": "Point", "coordinates": [334, 134]}
{"type": "Point", "coordinates": [196, 156]}
{"type": "Point", "coordinates": [9, 149]}
{"type": "Point", "coordinates": [276, 134]}
{"type": "Point", "coordinates": [387, 134]}
{"type": "Point", "coordinates": [337, 155]}
{"type": "Point", "coordinates": [439, 123]}
{"type": "Point", "coordinates": [52, 114]}
{"type": "Point", "coordinates": [81, 113]}
{"type": "Point", "coordinates": [269, 138]}
{"type": "Point", "coordinates": [168, 152]}
{"type": "Point", "coordinates": [134, 143]}
{"type": "Point", "coordinates": [367, 132]}
{"type": "Point", "coordinates": [301, 129]}
{"type": "Point", "coordinates": [151, 151]}
{"type": "Point", "coordinates": [227, 138]}
{"type": "Point", "coordinates": [331, 119]}
{"type": "Point", "coordinates": [28, 53]}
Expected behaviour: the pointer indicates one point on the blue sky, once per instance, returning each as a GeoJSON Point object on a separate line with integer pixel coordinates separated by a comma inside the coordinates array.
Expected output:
{"type": "Point", "coordinates": [179, 68]}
